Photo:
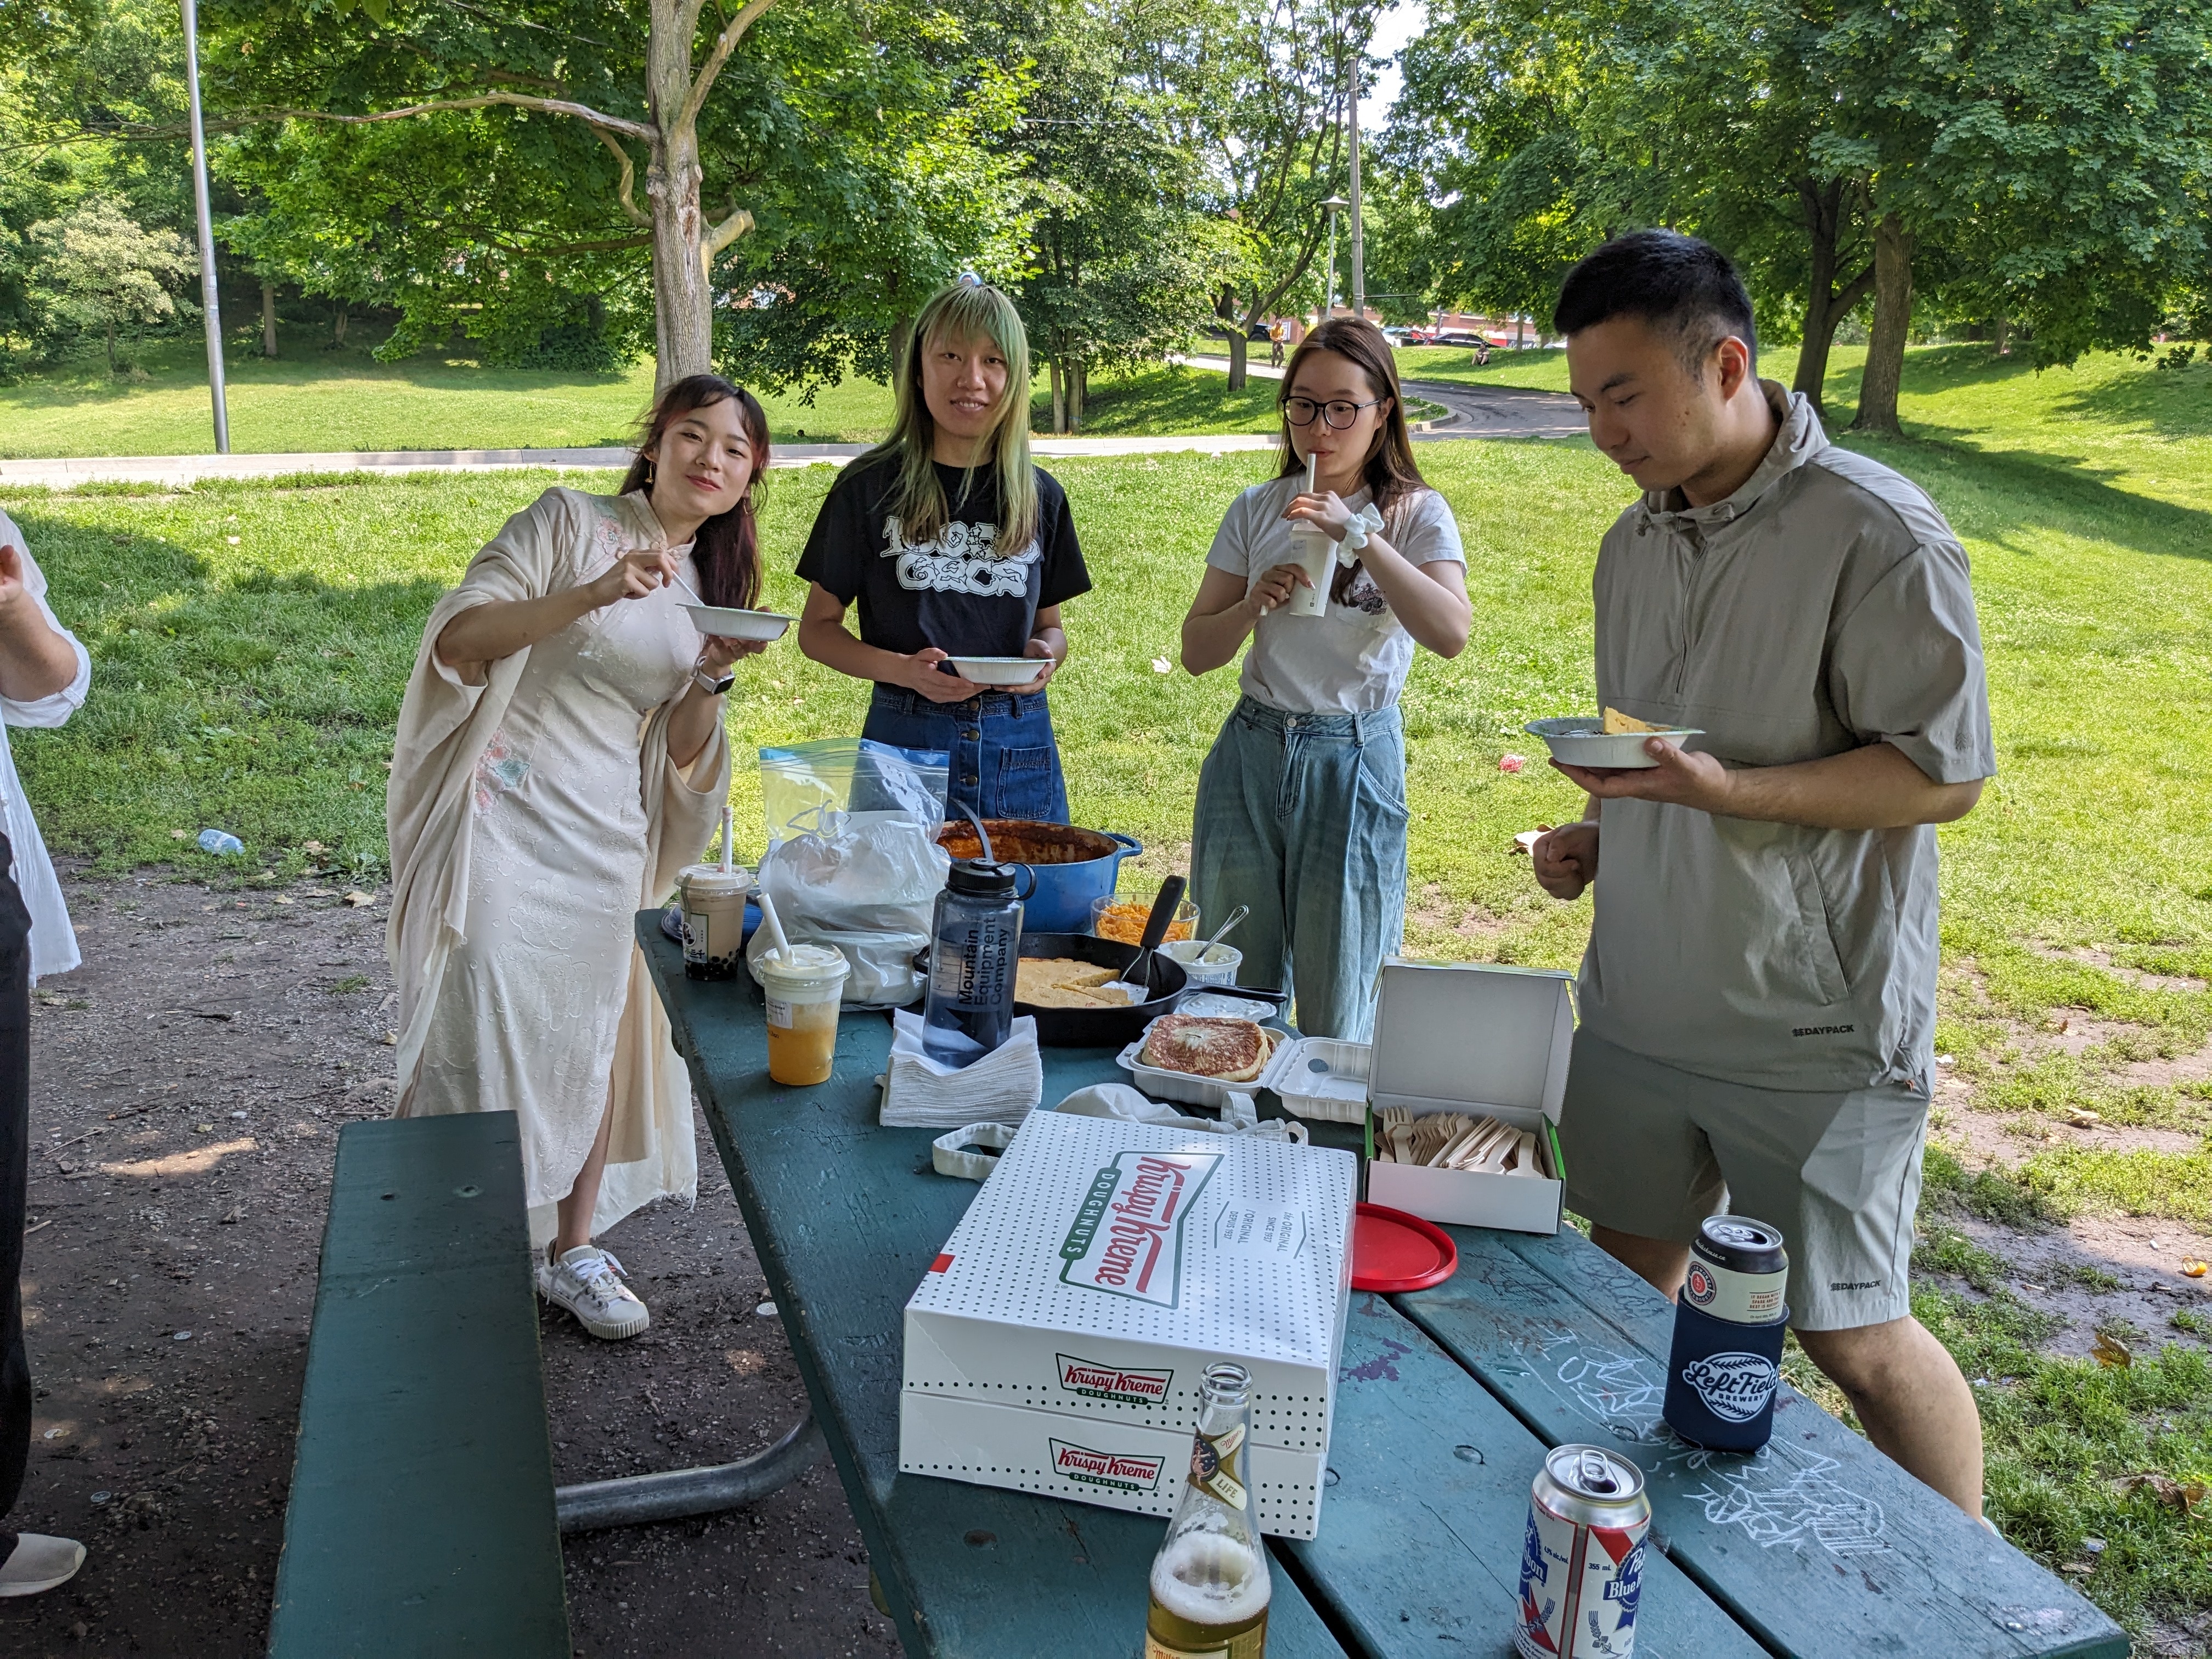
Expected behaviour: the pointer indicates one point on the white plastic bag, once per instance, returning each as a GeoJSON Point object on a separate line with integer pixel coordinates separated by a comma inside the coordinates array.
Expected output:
{"type": "Point", "coordinates": [866, 883]}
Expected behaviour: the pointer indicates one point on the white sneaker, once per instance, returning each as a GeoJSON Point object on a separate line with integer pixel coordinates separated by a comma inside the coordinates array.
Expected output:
{"type": "Point", "coordinates": [584, 1281]}
{"type": "Point", "coordinates": [40, 1563]}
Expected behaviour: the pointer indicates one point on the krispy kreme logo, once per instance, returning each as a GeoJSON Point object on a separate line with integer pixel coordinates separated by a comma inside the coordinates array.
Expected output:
{"type": "Point", "coordinates": [1099, 1468]}
{"type": "Point", "coordinates": [1735, 1387]}
{"type": "Point", "coordinates": [1112, 1382]}
{"type": "Point", "coordinates": [1127, 1238]}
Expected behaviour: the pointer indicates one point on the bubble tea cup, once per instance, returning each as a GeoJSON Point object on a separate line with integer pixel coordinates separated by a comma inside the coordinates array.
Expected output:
{"type": "Point", "coordinates": [804, 985]}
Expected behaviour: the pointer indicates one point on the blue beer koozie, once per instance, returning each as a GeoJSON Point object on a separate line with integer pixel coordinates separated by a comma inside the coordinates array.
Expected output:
{"type": "Point", "coordinates": [1721, 1378]}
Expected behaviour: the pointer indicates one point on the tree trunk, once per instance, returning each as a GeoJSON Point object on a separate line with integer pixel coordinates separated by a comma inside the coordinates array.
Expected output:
{"type": "Point", "coordinates": [1236, 344]}
{"type": "Point", "coordinates": [1825, 306]}
{"type": "Point", "coordinates": [1520, 330]}
{"type": "Point", "coordinates": [268, 317]}
{"type": "Point", "coordinates": [1079, 385]}
{"type": "Point", "coordinates": [1893, 316]}
{"type": "Point", "coordinates": [110, 348]}
{"type": "Point", "coordinates": [2004, 334]}
{"type": "Point", "coordinates": [338, 323]}
{"type": "Point", "coordinates": [1058, 401]}
{"type": "Point", "coordinates": [902, 337]}
{"type": "Point", "coordinates": [684, 316]}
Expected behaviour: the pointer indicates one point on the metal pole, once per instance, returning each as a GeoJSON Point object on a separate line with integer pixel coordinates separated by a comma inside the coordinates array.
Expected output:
{"type": "Point", "coordinates": [1358, 241]}
{"type": "Point", "coordinates": [1328, 307]}
{"type": "Point", "coordinates": [211, 311]}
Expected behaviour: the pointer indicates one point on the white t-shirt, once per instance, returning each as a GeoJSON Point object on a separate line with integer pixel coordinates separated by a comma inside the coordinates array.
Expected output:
{"type": "Point", "coordinates": [53, 942]}
{"type": "Point", "coordinates": [1354, 659]}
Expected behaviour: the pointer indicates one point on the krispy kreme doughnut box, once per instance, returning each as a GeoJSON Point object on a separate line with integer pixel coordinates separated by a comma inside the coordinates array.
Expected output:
{"type": "Point", "coordinates": [1056, 1344]}
{"type": "Point", "coordinates": [1484, 1041]}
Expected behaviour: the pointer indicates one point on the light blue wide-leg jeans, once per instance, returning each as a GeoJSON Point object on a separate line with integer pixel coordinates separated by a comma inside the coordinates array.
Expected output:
{"type": "Point", "coordinates": [1302, 816]}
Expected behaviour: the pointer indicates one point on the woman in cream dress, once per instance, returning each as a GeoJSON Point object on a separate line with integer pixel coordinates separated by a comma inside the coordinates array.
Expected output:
{"type": "Point", "coordinates": [559, 758]}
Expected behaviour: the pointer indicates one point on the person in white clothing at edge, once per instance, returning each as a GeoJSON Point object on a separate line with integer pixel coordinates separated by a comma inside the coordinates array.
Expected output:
{"type": "Point", "coordinates": [1301, 809]}
{"type": "Point", "coordinates": [1758, 1000]}
{"type": "Point", "coordinates": [44, 675]}
{"type": "Point", "coordinates": [561, 755]}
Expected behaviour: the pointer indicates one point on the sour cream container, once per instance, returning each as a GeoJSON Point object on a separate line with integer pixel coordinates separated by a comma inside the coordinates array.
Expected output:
{"type": "Point", "coordinates": [714, 920]}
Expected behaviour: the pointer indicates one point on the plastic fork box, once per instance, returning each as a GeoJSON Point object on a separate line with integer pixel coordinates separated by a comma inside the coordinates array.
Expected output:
{"type": "Point", "coordinates": [1056, 1343]}
{"type": "Point", "coordinates": [1486, 1041]}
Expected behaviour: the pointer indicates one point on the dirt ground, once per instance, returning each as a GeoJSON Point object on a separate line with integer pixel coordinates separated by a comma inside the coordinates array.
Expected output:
{"type": "Point", "coordinates": [189, 1083]}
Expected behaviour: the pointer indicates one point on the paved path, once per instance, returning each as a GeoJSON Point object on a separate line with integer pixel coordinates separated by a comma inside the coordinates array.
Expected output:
{"type": "Point", "coordinates": [61, 474]}
{"type": "Point", "coordinates": [1486, 411]}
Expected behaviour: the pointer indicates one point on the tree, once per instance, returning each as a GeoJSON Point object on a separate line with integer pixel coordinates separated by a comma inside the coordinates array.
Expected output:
{"type": "Point", "coordinates": [1262, 85]}
{"type": "Point", "coordinates": [511, 180]}
{"type": "Point", "coordinates": [1125, 260]}
{"type": "Point", "coordinates": [99, 268]}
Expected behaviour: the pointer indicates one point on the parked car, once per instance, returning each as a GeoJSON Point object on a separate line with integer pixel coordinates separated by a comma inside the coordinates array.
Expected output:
{"type": "Point", "coordinates": [1460, 336]}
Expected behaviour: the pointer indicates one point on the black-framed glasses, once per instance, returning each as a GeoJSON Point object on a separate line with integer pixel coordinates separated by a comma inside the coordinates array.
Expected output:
{"type": "Point", "coordinates": [1339, 414]}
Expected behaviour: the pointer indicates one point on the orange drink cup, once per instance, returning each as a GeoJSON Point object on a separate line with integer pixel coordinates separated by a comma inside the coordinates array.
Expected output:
{"type": "Point", "coordinates": [804, 985]}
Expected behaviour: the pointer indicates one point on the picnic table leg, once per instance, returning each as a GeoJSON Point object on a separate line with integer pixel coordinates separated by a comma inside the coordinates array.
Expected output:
{"type": "Point", "coordinates": [673, 1494]}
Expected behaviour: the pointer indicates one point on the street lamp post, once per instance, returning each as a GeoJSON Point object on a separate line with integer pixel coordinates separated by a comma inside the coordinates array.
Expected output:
{"type": "Point", "coordinates": [1333, 204]}
{"type": "Point", "coordinates": [211, 311]}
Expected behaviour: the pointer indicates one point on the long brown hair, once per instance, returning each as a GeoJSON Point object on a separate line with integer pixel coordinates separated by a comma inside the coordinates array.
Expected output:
{"type": "Point", "coordinates": [727, 551]}
{"type": "Point", "coordinates": [1390, 472]}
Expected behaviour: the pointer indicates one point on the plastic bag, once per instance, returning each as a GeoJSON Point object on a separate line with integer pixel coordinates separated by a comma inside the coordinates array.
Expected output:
{"type": "Point", "coordinates": [863, 880]}
{"type": "Point", "coordinates": [800, 780]}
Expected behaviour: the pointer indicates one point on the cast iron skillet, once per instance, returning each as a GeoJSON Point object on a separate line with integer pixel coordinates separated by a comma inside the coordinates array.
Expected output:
{"type": "Point", "coordinates": [1101, 1028]}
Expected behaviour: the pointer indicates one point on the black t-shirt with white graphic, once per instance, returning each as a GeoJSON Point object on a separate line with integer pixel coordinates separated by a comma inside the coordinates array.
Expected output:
{"type": "Point", "coordinates": [953, 591]}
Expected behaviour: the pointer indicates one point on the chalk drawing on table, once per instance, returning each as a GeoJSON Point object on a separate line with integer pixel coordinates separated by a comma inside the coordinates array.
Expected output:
{"type": "Point", "coordinates": [1782, 1495]}
{"type": "Point", "coordinates": [1785, 1496]}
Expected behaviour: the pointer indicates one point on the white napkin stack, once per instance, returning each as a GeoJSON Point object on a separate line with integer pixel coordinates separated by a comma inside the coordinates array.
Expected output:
{"type": "Point", "coordinates": [921, 1093]}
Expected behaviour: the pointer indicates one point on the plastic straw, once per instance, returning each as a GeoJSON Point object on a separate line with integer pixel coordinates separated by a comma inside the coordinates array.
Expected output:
{"type": "Point", "coordinates": [1313, 480]}
{"type": "Point", "coordinates": [726, 866]}
{"type": "Point", "coordinates": [774, 928]}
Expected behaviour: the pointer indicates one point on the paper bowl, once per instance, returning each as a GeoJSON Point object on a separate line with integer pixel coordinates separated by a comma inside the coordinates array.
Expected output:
{"type": "Point", "coordinates": [721, 623]}
{"type": "Point", "coordinates": [998, 671]}
{"type": "Point", "coordinates": [1582, 740]}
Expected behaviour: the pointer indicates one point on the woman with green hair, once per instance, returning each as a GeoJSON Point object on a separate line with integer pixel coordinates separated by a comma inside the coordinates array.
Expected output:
{"type": "Point", "coordinates": [954, 545]}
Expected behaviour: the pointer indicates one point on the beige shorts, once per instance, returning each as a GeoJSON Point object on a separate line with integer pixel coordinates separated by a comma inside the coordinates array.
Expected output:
{"type": "Point", "coordinates": [1653, 1150]}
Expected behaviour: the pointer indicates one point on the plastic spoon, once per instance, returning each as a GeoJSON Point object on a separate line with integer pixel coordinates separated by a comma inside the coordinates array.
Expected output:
{"type": "Point", "coordinates": [1137, 978]}
{"type": "Point", "coordinates": [1222, 932]}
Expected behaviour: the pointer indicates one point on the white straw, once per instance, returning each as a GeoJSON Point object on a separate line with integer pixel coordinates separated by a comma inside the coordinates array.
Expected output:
{"type": "Point", "coordinates": [774, 928]}
{"type": "Point", "coordinates": [1313, 463]}
{"type": "Point", "coordinates": [725, 840]}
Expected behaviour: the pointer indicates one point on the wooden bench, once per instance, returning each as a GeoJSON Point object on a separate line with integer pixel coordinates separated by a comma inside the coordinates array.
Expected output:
{"type": "Point", "coordinates": [1818, 1548]}
{"type": "Point", "coordinates": [421, 1519]}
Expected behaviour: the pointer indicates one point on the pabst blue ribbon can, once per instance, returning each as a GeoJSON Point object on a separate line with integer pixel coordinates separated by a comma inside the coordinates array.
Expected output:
{"type": "Point", "coordinates": [1739, 1271]}
{"type": "Point", "coordinates": [1582, 1564]}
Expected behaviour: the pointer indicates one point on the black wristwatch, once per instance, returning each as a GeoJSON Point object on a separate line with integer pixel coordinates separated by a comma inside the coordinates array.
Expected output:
{"type": "Point", "coordinates": [710, 685]}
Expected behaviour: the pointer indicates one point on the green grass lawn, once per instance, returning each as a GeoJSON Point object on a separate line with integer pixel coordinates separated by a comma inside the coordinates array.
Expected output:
{"type": "Point", "coordinates": [252, 643]}
{"type": "Point", "coordinates": [315, 399]}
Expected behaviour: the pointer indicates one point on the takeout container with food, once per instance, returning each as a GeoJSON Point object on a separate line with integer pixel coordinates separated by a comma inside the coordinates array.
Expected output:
{"type": "Point", "coordinates": [1056, 1342]}
{"type": "Point", "coordinates": [726, 623]}
{"type": "Point", "coordinates": [1202, 1055]}
{"type": "Point", "coordinates": [1582, 740]}
{"type": "Point", "coordinates": [1069, 867]}
{"type": "Point", "coordinates": [1481, 1042]}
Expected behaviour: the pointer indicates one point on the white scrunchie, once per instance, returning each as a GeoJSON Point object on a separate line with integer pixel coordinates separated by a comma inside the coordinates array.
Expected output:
{"type": "Point", "coordinates": [1365, 523]}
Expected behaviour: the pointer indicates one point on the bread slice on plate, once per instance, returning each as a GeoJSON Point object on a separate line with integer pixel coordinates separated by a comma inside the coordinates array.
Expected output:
{"type": "Point", "coordinates": [1226, 1051]}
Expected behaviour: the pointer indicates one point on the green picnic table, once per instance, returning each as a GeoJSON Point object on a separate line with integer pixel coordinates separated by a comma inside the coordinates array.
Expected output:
{"type": "Point", "coordinates": [1818, 1548]}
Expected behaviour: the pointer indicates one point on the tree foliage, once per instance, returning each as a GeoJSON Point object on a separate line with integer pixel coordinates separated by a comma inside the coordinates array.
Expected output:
{"type": "Point", "coordinates": [101, 269]}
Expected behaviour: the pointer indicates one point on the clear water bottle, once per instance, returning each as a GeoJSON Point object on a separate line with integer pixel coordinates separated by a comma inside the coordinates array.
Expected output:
{"type": "Point", "coordinates": [974, 943]}
{"type": "Point", "coordinates": [222, 844]}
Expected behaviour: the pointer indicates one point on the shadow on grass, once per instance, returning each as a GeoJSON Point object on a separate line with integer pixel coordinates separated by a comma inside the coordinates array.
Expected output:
{"type": "Point", "coordinates": [2004, 490]}
{"type": "Point", "coordinates": [259, 703]}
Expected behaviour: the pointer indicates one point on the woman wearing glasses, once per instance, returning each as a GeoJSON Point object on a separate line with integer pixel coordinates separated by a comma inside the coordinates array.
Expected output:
{"type": "Point", "coordinates": [1302, 803]}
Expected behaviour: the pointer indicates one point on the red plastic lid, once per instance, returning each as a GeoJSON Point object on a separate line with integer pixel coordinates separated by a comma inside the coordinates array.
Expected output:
{"type": "Point", "coordinates": [1394, 1251]}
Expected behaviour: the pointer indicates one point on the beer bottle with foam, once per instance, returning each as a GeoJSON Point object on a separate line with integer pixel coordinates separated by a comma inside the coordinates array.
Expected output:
{"type": "Point", "coordinates": [1210, 1584]}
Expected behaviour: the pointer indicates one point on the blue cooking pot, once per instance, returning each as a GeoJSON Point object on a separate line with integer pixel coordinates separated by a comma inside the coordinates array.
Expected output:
{"type": "Point", "coordinates": [1070, 867]}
